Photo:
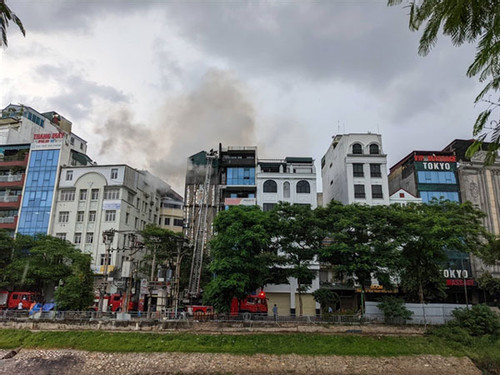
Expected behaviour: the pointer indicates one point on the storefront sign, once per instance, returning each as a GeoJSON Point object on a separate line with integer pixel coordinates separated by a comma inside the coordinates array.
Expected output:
{"type": "Point", "coordinates": [455, 274]}
{"type": "Point", "coordinates": [460, 282]}
{"type": "Point", "coordinates": [47, 141]}
{"type": "Point", "coordinates": [436, 158]}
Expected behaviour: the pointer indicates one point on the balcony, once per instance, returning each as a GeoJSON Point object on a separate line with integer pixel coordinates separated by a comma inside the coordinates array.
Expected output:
{"type": "Point", "coordinates": [8, 222]}
{"type": "Point", "coordinates": [8, 201]}
{"type": "Point", "coordinates": [18, 160]}
{"type": "Point", "coordinates": [12, 180]}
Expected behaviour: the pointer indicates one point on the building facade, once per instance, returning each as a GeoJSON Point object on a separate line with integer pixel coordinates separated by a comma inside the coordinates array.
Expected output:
{"type": "Point", "coordinates": [354, 170]}
{"type": "Point", "coordinates": [172, 212]}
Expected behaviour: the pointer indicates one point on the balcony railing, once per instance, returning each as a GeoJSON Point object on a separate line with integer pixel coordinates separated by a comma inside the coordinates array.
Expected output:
{"type": "Point", "coordinates": [7, 219]}
{"type": "Point", "coordinates": [9, 198]}
{"type": "Point", "coordinates": [11, 178]}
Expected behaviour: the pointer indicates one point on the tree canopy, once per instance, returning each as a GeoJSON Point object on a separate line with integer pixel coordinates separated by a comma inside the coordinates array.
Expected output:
{"type": "Point", "coordinates": [7, 16]}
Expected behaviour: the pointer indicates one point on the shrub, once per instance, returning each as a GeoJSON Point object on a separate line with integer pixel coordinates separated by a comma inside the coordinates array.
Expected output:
{"type": "Point", "coordinates": [479, 320]}
{"type": "Point", "coordinates": [394, 310]}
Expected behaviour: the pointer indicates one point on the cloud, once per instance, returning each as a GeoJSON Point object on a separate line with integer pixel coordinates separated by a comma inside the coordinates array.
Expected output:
{"type": "Point", "coordinates": [219, 109]}
{"type": "Point", "coordinates": [76, 95]}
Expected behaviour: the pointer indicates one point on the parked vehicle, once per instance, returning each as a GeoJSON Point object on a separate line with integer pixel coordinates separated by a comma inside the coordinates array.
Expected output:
{"type": "Point", "coordinates": [114, 302]}
{"type": "Point", "coordinates": [10, 300]}
{"type": "Point", "coordinates": [252, 305]}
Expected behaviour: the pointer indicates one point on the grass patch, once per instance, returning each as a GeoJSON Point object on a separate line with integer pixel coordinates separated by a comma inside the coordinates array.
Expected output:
{"type": "Point", "coordinates": [304, 344]}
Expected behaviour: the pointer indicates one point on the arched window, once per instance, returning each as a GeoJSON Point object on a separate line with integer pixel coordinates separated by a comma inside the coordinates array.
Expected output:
{"type": "Point", "coordinates": [270, 186]}
{"type": "Point", "coordinates": [286, 189]}
{"type": "Point", "coordinates": [303, 187]}
{"type": "Point", "coordinates": [374, 149]}
{"type": "Point", "coordinates": [357, 149]}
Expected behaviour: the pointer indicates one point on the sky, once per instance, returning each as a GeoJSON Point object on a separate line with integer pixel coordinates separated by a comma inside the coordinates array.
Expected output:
{"type": "Point", "coordinates": [149, 83]}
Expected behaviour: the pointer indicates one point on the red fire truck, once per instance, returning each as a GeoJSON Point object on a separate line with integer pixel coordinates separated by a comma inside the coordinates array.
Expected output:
{"type": "Point", "coordinates": [10, 300]}
{"type": "Point", "coordinates": [253, 305]}
{"type": "Point", "coordinates": [114, 302]}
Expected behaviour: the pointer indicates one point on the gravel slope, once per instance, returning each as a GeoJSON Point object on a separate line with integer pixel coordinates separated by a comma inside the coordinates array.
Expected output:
{"type": "Point", "coordinates": [73, 362]}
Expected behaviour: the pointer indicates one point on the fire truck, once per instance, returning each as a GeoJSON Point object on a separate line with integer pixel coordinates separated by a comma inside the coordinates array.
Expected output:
{"type": "Point", "coordinates": [10, 300]}
{"type": "Point", "coordinates": [115, 302]}
{"type": "Point", "coordinates": [252, 305]}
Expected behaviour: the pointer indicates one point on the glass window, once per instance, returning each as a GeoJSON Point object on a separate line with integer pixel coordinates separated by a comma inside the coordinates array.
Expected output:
{"type": "Point", "coordinates": [78, 238]}
{"type": "Point", "coordinates": [110, 215]}
{"type": "Point", "coordinates": [83, 194]}
{"type": "Point", "coordinates": [375, 170]}
{"type": "Point", "coordinates": [357, 149]}
{"type": "Point", "coordinates": [94, 194]}
{"type": "Point", "coordinates": [303, 187]}
{"type": "Point", "coordinates": [112, 194]}
{"type": "Point", "coordinates": [167, 221]}
{"type": "Point", "coordinates": [240, 176]}
{"type": "Point", "coordinates": [72, 140]}
{"type": "Point", "coordinates": [437, 177]}
{"type": "Point", "coordinates": [427, 196]}
{"type": "Point", "coordinates": [374, 149]}
{"type": "Point", "coordinates": [61, 236]}
{"type": "Point", "coordinates": [126, 217]}
{"type": "Point", "coordinates": [69, 175]}
{"type": "Point", "coordinates": [359, 191]}
{"type": "Point", "coordinates": [79, 216]}
{"type": "Point", "coordinates": [286, 189]}
{"type": "Point", "coordinates": [63, 216]}
{"type": "Point", "coordinates": [357, 170]}
{"type": "Point", "coordinates": [270, 186]}
{"type": "Point", "coordinates": [377, 192]}
{"type": "Point", "coordinates": [92, 216]}
{"type": "Point", "coordinates": [89, 238]}
{"type": "Point", "coordinates": [67, 195]}
{"type": "Point", "coordinates": [178, 222]}
{"type": "Point", "coordinates": [268, 206]}
{"type": "Point", "coordinates": [114, 173]}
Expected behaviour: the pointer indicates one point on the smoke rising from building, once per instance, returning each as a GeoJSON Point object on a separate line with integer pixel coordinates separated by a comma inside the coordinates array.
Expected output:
{"type": "Point", "coordinates": [218, 110]}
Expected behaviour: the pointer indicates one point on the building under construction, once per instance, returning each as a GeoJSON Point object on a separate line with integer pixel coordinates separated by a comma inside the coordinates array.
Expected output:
{"type": "Point", "coordinates": [215, 180]}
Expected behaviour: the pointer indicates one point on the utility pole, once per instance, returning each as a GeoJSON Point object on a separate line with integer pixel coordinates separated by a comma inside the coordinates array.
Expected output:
{"type": "Point", "coordinates": [181, 251]}
{"type": "Point", "coordinates": [128, 290]}
{"type": "Point", "coordinates": [151, 281]}
{"type": "Point", "coordinates": [107, 237]}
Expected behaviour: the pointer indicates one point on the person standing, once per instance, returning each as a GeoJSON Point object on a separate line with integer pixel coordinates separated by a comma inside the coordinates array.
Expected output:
{"type": "Point", "coordinates": [20, 305]}
{"type": "Point", "coordinates": [275, 312]}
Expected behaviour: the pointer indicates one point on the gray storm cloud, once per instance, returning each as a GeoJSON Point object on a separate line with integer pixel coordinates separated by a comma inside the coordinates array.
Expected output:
{"type": "Point", "coordinates": [219, 109]}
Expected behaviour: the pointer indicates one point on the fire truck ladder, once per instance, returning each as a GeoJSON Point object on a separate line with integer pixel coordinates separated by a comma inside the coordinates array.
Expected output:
{"type": "Point", "coordinates": [201, 231]}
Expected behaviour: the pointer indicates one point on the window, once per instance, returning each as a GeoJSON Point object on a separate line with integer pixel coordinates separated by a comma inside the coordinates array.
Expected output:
{"type": "Point", "coordinates": [178, 222]}
{"type": "Point", "coordinates": [89, 238]}
{"type": "Point", "coordinates": [112, 194]}
{"type": "Point", "coordinates": [437, 177]}
{"type": "Point", "coordinates": [359, 191]}
{"type": "Point", "coordinates": [427, 196]}
{"type": "Point", "coordinates": [72, 140]}
{"type": "Point", "coordinates": [69, 175]}
{"type": "Point", "coordinates": [114, 173]}
{"type": "Point", "coordinates": [268, 206]}
{"type": "Point", "coordinates": [92, 216]}
{"type": "Point", "coordinates": [110, 215]}
{"type": "Point", "coordinates": [63, 216]}
{"type": "Point", "coordinates": [61, 236]}
{"type": "Point", "coordinates": [357, 149]}
{"type": "Point", "coordinates": [94, 194]}
{"type": "Point", "coordinates": [79, 216]}
{"type": "Point", "coordinates": [167, 221]}
{"type": "Point", "coordinates": [286, 189]}
{"type": "Point", "coordinates": [357, 170]}
{"type": "Point", "coordinates": [303, 187]}
{"type": "Point", "coordinates": [127, 215]}
{"type": "Point", "coordinates": [78, 238]}
{"type": "Point", "coordinates": [375, 170]}
{"type": "Point", "coordinates": [103, 259]}
{"type": "Point", "coordinates": [374, 149]}
{"type": "Point", "coordinates": [377, 192]}
{"type": "Point", "coordinates": [240, 176]}
{"type": "Point", "coordinates": [83, 194]}
{"type": "Point", "coordinates": [270, 186]}
{"type": "Point", "coordinates": [67, 195]}
{"type": "Point", "coordinates": [136, 223]}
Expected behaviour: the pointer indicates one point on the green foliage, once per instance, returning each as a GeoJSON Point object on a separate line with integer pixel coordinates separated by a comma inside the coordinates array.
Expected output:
{"type": "Point", "coordinates": [6, 16]}
{"type": "Point", "coordinates": [242, 256]}
{"type": "Point", "coordinates": [326, 298]}
{"type": "Point", "coordinates": [466, 21]}
{"type": "Point", "coordinates": [77, 290]}
{"type": "Point", "coordinates": [488, 283]}
{"type": "Point", "coordinates": [297, 235]}
{"type": "Point", "coordinates": [479, 320]}
{"type": "Point", "coordinates": [164, 243]}
{"type": "Point", "coordinates": [394, 310]}
{"type": "Point", "coordinates": [6, 253]}
{"type": "Point", "coordinates": [361, 241]}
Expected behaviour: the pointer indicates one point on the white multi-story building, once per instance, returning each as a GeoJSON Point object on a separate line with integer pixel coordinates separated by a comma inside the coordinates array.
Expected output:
{"type": "Point", "coordinates": [291, 180]}
{"type": "Point", "coordinates": [354, 170]}
{"type": "Point", "coordinates": [94, 199]}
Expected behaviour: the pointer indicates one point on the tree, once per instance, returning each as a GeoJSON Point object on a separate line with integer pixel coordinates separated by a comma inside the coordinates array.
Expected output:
{"type": "Point", "coordinates": [6, 16]}
{"type": "Point", "coordinates": [6, 253]}
{"type": "Point", "coordinates": [361, 242]}
{"type": "Point", "coordinates": [242, 255]}
{"type": "Point", "coordinates": [299, 238]}
{"type": "Point", "coordinates": [44, 262]}
{"type": "Point", "coordinates": [428, 231]}
{"type": "Point", "coordinates": [466, 21]}
{"type": "Point", "coordinates": [326, 298]}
